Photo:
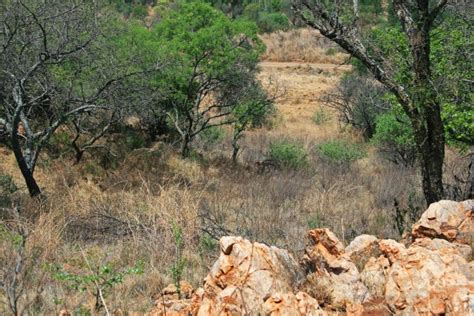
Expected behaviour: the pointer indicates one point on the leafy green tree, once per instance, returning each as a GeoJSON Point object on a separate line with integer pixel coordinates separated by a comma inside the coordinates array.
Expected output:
{"type": "Point", "coordinates": [414, 89]}
{"type": "Point", "coordinates": [210, 61]}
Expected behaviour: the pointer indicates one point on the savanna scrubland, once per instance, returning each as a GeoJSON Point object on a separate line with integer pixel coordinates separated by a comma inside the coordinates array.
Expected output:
{"type": "Point", "coordinates": [154, 129]}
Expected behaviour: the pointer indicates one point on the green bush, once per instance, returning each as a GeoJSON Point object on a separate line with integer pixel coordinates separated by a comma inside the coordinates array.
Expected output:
{"type": "Point", "coordinates": [288, 154]}
{"type": "Point", "coordinates": [341, 151]}
{"type": "Point", "coordinates": [212, 135]}
{"type": "Point", "coordinates": [320, 117]}
{"type": "Point", "coordinates": [394, 137]}
{"type": "Point", "coordinates": [331, 51]}
{"type": "Point", "coordinates": [271, 22]}
{"type": "Point", "coordinates": [7, 187]}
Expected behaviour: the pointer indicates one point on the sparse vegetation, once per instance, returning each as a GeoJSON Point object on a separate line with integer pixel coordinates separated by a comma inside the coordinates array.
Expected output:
{"type": "Point", "coordinates": [199, 132]}
{"type": "Point", "coordinates": [288, 154]}
{"type": "Point", "coordinates": [341, 151]}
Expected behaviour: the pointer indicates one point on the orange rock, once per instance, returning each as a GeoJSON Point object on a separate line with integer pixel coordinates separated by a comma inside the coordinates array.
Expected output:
{"type": "Point", "coordinates": [327, 257]}
{"type": "Point", "coordinates": [453, 221]}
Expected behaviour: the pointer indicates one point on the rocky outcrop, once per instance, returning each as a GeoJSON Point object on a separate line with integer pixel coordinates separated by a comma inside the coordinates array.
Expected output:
{"type": "Point", "coordinates": [453, 221]}
{"type": "Point", "coordinates": [434, 274]}
{"type": "Point", "coordinates": [326, 257]}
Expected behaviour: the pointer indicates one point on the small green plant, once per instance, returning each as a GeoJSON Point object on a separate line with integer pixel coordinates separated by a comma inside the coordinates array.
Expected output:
{"type": "Point", "coordinates": [331, 51]}
{"type": "Point", "coordinates": [212, 135]}
{"type": "Point", "coordinates": [341, 151]}
{"type": "Point", "coordinates": [288, 154]}
{"type": "Point", "coordinates": [179, 264]}
{"type": "Point", "coordinates": [315, 222]}
{"type": "Point", "coordinates": [134, 140]}
{"type": "Point", "coordinates": [7, 187]}
{"type": "Point", "coordinates": [99, 280]}
{"type": "Point", "coordinates": [207, 243]}
{"type": "Point", "coordinates": [320, 117]}
{"type": "Point", "coordinates": [272, 22]}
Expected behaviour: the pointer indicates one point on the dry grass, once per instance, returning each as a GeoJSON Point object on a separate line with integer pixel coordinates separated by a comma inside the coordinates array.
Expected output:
{"type": "Point", "coordinates": [131, 222]}
{"type": "Point", "coordinates": [125, 215]}
{"type": "Point", "coordinates": [301, 45]}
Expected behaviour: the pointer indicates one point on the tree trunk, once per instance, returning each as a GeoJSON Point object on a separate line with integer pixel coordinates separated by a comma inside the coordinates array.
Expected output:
{"type": "Point", "coordinates": [235, 150]}
{"type": "Point", "coordinates": [30, 181]}
{"type": "Point", "coordinates": [469, 193]}
{"type": "Point", "coordinates": [428, 129]}
{"type": "Point", "coordinates": [185, 146]}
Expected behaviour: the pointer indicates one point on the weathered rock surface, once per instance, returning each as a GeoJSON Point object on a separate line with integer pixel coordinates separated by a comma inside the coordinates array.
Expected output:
{"type": "Point", "coordinates": [427, 281]}
{"type": "Point", "coordinates": [291, 304]}
{"type": "Point", "coordinates": [246, 274]}
{"type": "Point", "coordinates": [326, 257]}
{"type": "Point", "coordinates": [453, 221]}
{"type": "Point", "coordinates": [432, 275]}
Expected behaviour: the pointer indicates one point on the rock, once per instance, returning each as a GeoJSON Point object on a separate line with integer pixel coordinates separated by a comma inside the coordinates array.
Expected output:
{"type": "Point", "coordinates": [432, 274]}
{"type": "Point", "coordinates": [425, 281]}
{"type": "Point", "coordinates": [453, 221]}
{"type": "Point", "coordinates": [392, 249]}
{"type": "Point", "coordinates": [437, 244]}
{"type": "Point", "coordinates": [173, 302]}
{"type": "Point", "coordinates": [245, 275]}
{"type": "Point", "coordinates": [171, 292]}
{"type": "Point", "coordinates": [362, 248]}
{"type": "Point", "coordinates": [374, 276]}
{"type": "Point", "coordinates": [291, 304]}
{"type": "Point", "coordinates": [326, 257]}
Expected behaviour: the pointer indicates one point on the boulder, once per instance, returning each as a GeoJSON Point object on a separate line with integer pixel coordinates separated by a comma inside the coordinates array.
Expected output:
{"type": "Point", "coordinates": [453, 221]}
{"type": "Point", "coordinates": [326, 257]}
{"type": "Point", "coordinates": [374, 276]}
{"type": "Point", "coordinates": [290, 304]}
{"type": "Point", "coordinates": [362, 248]}
{"type": "Point", "coordinates": [432, 274]}
{"type": "Point", "coordinates": [245, 275]}
{"type": "Point", "coordinates": [425, 281]}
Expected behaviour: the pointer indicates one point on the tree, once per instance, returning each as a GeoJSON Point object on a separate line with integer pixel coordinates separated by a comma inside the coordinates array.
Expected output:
{"type": "Point", "coordinates": [252, 111]}
{"type": "Point", "coordinates": [53, 69]}
{"type": "Point", "coordinates": [419, 98]}
{"type": "Point", "coordinates": [210, 62]}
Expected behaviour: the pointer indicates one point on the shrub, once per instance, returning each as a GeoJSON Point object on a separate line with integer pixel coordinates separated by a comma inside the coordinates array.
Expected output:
{"type": "Point", "coordinates": [272, 22]}
{"type": "Point", "coordinates": [7, 187]}
{"type": "Point", "coordinates": [341, 151]}
{"type": "Point", "coordinates": [358, 101]}
{"type": "Point", "coordinates": [212, 135]}
{"type": "Point", "coordinates": [331, 51]}
{"type": "Point", "coordinates": [288, 154]}
{"type": "Point", "coordinates": [394, 138]}
{"type": "Point", "coordinates": [320, 117]}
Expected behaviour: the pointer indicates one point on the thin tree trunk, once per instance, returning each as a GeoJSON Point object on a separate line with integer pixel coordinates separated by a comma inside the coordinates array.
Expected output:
{"type": "Point", "coordinates": [30, 181]}
{"type": "Point", "coordinates": [429, 131]}
{"type": "Point", "coordinates": [185, 146]}
{"type": "Point", "coordinates": [27, 173]}
{"type": "Point", "coordinates": [469, 193]}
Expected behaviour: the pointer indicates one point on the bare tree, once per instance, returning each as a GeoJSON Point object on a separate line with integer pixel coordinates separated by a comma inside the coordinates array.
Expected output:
{"type": "Point", "coordinates": [50, 73]}
{"type": "Point", "coordinates": [419, 99]}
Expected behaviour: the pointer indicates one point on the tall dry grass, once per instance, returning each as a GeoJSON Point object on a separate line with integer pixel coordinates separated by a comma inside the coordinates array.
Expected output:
{"type": "Point", "coordinates": [126, 216]}
{"type": "Point", "coordinates": [301, 45]}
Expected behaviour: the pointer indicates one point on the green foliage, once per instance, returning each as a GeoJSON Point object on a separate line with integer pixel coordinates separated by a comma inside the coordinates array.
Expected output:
{"type": "Point", "coordinates": [7, 187]}
{"type": "Point", "coordinates": [272, 22]}
{"type": "Point", "coordinates": [288, 154]}
{"type": "Point", "coordinates": [207, 243]}
{"type": "Point", "coordinates": [212, 135]}
{"type": "Point", "coordinates": [99, 280]}
{"type": "Point", "coordinates": [320, 117]}
{"type": "Point", "coordinates": [134, 140]}
{"type": "Point", "coordinates": [451, 66]}
{"type": "Point", "coordinates": [394, 137]}
{"type": "Point", "coordinates": [179, 264]}
{"type": "Point", "coordinates": [341, 151]}
{"type": "Point", "coordinates": [331, 51]}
